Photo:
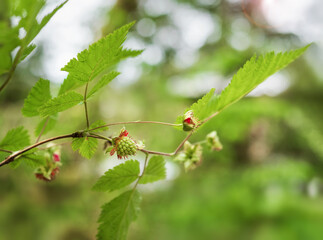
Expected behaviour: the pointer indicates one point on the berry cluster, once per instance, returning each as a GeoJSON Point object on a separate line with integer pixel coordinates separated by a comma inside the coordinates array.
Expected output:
{"type": "Point", "coordinates": [51, 166]}
{"type": "Point", "coordinates": [123, 145]}
{"type": "Point", "coordinates": [191, 157]}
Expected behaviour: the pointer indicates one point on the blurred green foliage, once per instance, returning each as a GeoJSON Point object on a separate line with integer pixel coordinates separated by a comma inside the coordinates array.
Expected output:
{"type": "Point", "coordinates": [266, 183]}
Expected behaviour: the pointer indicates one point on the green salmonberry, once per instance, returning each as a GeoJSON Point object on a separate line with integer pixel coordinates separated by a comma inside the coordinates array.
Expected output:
{"type": "Point", "coordinates": [123, 145]}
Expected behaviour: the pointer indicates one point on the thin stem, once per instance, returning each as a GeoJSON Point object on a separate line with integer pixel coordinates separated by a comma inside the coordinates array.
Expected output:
{"type": "Point", "coordinates": [7, 151]}
{"type": "Point", "coordinates": [182, 143]}
{"type": "Point", "coordinates": [156, 153]}
{"type": "Point", "coordinates": [16, 154]}
{"type": "Point", "coordinates": [54, 145]}
{"type": "Point", "coordinates": [12, 69]}
{"type": "Point", "coordinates": [42, 130]}
{"type": "Point", "coordinates": [145, 164]}
{"type": "Point", "coordinates": [85, 106]}
{"type": "Point", "coordinates": [134, 122]}
{"type": "Point", "coordinates": [210, 117]}
{"type": "Point", "coordinates": [143, 172]}
{"type": "Point", "coordinates": [100, 137]}
{"type": "Point", "coordinates": [200, 142]}
{"type": "Point", "coordinates": [133, 190]}
{"type": "Point", "coordinates": [169, 154]}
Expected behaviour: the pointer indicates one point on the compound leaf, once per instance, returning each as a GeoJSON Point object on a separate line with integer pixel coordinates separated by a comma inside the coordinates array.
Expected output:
{"type": "Point", "coordinates": [254, 72]}
{"type": "Point", "coordinates": [99, 57]}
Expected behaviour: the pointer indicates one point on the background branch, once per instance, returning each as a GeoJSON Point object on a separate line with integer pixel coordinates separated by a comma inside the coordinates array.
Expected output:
{"type": "Point", "coordinates": [12, 157]}
{"type": "Point", "coordinates": [136, 122]}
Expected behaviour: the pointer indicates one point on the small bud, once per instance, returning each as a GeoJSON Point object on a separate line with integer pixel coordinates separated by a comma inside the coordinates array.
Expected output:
{"type": "Point", "coordinates": [140, 145]}
{"type": "Point", "coordinates": [50, 168]}
{"type": "Point", "coordinates": [191, 157]}
{"type": "Point", "coordinates": [189, 122]}
{"type": "Point", "coordinates": [123, 145]}
{"type": "Point", "coordinates": [47, 176]}
{"type": "Point", "coordinates": [213, 141]}
{"type": "Point", "coordinates": [56, 157]}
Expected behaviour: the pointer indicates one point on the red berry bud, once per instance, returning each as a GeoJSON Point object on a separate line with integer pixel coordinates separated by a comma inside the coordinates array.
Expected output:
{"type": "Point", "coordinates": [56, 157]}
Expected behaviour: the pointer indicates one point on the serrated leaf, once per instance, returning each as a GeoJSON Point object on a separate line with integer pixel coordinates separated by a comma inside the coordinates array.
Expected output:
{"type": "Point", "coordinates": [15, 164]}
{"type": "Point", "coordinates": [28, 50]}
{"type": "Point", "coordinates": [117, 215]}
{"type": "Point", "coordinates": [106, 79]}
{"type": "Point", "coordinates": [99, 57]}
{"type": "Point", "coordinates": [68, 85]}
{"type": "Point", "coordinates": [30, 158]}
{"type": "Point", "coordinates": [60, 103]}
{"type": "Point", "coordinates": [33, 27]}
{"type": "Point", "coordinates": [155, 170]}
{"type": "Point", "coordinates": [77, 143]}
{"type": "Point", "coordinates": [89, 147]}
{"type": "Point", "coordinates": [50, 123]}
{"type": "Point", "coordinates": [36, 98]}
{"type": "Point", "coordinates": [3, 155]}
{"type": "Point", "coordinates": [15, 139]}
{"type": "Point", "coordinates": [198, 108]}
{"type": "Point", "coordinates": [118, 177]}
{"type": "Point", "coordinates": [86, 146]}
{"type": "Point", "coordinates": [99, 123]}
{"type": "Point", "coordinates": [254, 72]}
{"type": "Point", "coordinates": [9, 40]}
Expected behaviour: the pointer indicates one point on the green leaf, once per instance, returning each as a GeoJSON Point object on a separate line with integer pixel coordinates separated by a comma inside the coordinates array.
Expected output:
{"type": "Point", "coordinates": [50, 122]}
{"type": "Point", "coordinates": [36, 98]}
{"type": "Point", "coordinates": [9, 40]}
{"type": "Point", "coordinates": [77, 143]}
{"type": "Point", "coordinates": [98, 58]}
{"type": "Point", "coordinates": [33, 160]}
{"type": "Point", "coordinates": [155, 170]}
{"type": "Point", "coordinates": [3, 155]}
{"type": "Point", "coordinates": [254, 72]}
{"type": "Point", "coordinates": [30, 158]}
{"type": "Point", "coordinates": [28, 50]}
{"type": "Point", "coordinates": [118, 177]}
{"type": "Point", "coordinates": [16, 163]}
{"type": "Point", "coordinates": [87, 146]}
{"type": "Point", "coordinates": [99, 123]}
{"type": "Point", "coordinates": [60, 103]}
{"type": "Point", "coordinates": [106, 79]}
{"type": "Point", "coordinates": [68, 85]}
{"type": "Point", "coordinates": [198, 108]}
{"type": "Point", "coordinates": [117, 215]}
{"type": "Point", "coordinates": [33, 27]}
{"type": "Point", "coordinates": [15, 139]}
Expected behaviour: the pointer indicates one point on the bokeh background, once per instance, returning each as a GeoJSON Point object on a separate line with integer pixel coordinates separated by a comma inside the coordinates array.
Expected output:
{"type": "Point", "coordinates": [266, 183]}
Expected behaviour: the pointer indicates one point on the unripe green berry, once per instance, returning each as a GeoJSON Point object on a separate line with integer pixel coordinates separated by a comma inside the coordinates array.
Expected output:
{"type": "Point", "coordinates": [126, 146]}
